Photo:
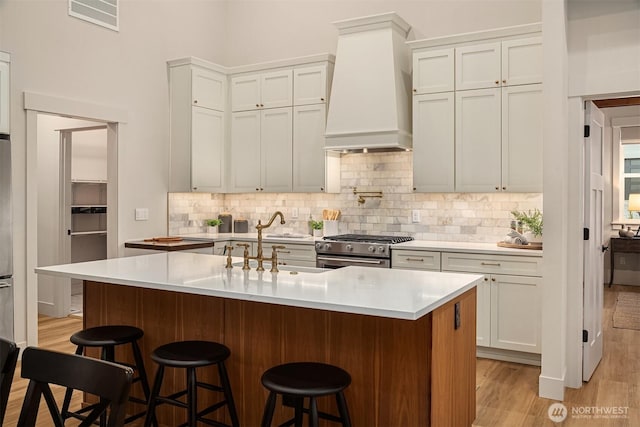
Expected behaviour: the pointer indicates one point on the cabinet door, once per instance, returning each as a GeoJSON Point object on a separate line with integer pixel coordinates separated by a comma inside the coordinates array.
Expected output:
{"type": "Point", "coordinates": [483, 313]}
{"type": "Point", "coordinates": [208, 89]}
{"type": "Point", "coordinates": [522, 61]}
{"type": "Point", "coordinates": [309, 157]}
{"type": "Point", "coordinates": [276, 148]}
{"type": "Point", "coordinates": [276, 89]}
{"type": "Point", "coordinates": [515, 313]}
{"type": "Point", "coordinates": [245, 92]}
{"type": "Point", "coordinates": [207, 150]}
{"type": "Point", "coordinates": [478, 66]}
{"type": "Point", "coordinates": [478, 140]}
{"type": "Point", "coordinates": [522, 138]}
{"type": "Point", "coordinates": [433, 71]}
{"type": "Point", "coordinates": [4, 97]}
{"type": "Point", "coordinates": [245, 151]}
{"type": "Point", "coordinates": [310, 85]}
{"type": "Point", "coordinates": [433, 142]}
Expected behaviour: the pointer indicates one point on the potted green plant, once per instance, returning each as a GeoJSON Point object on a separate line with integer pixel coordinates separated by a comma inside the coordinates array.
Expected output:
{"type": "Point", "coordinates": [532, 224]}
{"type": "Point", "coordinates": [316, 226]}
{"type": "Point", "coordinates": [212, 225]}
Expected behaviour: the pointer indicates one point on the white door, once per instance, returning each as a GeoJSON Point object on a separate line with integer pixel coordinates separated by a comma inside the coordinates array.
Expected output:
{"type": "Point", "coordinates": [593, 249]}
{"type": "Point", "coordinates": [276, 89]}
{"type": "Point", "coordinates": [245, 151]}
{"type": "Point", "coordinates": [208, 89]}
{"type": "Point", "coordinates": [478, 66]}
{"type": "Point", "coordinates": [483, 313]}
{"type": "Point", "coordinates": [310, 85]}
{"type": "Point", "coordinates": [245, 92]}
{"type": "Point", "coordinates": [433, 71]}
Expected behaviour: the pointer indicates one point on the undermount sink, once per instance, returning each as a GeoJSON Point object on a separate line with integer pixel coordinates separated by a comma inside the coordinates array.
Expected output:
{"type": "Point", "coordinates": [292, 269]}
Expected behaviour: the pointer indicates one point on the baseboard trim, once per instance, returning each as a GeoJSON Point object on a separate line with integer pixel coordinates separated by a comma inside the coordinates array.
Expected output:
{"type": "Point", "coordinates": [552, 388]}
{"type": "Point", "coordinates": [509, 356]}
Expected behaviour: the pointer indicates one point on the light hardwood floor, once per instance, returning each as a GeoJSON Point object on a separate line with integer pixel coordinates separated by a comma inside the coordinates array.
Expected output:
{"type": "Point", "coordinates": [506, 392]}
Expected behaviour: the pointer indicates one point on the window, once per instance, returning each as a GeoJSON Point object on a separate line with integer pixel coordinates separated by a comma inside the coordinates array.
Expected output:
{"type": "Point", "coordinates": [626, 166]}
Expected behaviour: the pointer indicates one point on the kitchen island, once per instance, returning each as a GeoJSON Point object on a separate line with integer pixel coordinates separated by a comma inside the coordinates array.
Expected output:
{"type": "Point", "coordinates": [406, 337]}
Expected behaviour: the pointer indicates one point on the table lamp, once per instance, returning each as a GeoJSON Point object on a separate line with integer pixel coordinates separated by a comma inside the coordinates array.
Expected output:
{"type": "Point", "coordinates": [634, 206]}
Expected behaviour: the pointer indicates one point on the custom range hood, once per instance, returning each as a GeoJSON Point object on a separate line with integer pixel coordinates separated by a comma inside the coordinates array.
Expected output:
{"type": "Point", "coordinates": [370, 103]}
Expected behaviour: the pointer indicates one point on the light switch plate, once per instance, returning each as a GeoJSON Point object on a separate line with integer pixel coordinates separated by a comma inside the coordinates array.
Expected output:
{"type": "Point", "coordinates": [294, 213]}
{"type": "Point", "coordinates": [415, 215]}
{"type": "Point", "coordinates": [142, 214]}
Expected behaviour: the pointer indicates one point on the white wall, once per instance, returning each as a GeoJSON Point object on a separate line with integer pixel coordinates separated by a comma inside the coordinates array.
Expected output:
{"type": "Point", "coordinates": [604, 46]}
{"type": "Point", "coordinates": [269, 30]}
{"type": "Point", "coordinates": [58, 55]}
{"type": "Point", "coordinates": [89, 155]}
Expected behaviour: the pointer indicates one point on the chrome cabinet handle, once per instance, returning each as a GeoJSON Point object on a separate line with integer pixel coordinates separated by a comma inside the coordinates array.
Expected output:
{"type": "Point", "coordinates": [415, 259]}
{"type": "Point", "coordinates": [358, 261]}
{"type": "Point", "coordinates": [495, 264]}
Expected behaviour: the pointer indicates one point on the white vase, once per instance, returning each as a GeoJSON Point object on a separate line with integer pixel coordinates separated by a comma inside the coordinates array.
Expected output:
{"type": "Point", "coordinates": [317, 233]}
{"type": "Point", "coordinates": [212, 230]}
{"type": "Point", "coordinates": [534, 240]}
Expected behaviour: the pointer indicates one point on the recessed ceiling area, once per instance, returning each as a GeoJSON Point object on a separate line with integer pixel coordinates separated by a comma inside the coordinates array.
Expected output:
{"type": "Point", "coordinates": [617, 102]}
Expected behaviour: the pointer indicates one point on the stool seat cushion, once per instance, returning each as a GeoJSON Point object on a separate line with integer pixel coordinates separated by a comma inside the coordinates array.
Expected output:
{"type": "Point", "coordinates": [101, 336]}
{"type": "Point", "coordinates": [306, 379]}
{"type": "Point", "coordinates": [185, 354]}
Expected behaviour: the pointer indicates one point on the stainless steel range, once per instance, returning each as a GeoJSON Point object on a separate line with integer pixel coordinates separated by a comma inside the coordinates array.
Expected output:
{"type": "Point", "coordinates": [356, 249]}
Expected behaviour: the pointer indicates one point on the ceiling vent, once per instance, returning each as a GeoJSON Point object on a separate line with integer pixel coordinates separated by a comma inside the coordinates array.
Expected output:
{"type": "Point", "coordinates": [99, 12]}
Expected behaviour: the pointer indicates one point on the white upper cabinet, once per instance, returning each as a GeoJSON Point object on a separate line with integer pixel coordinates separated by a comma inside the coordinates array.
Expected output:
{"type": "Point", "coordinates": [478, 66]}
{"type": "Point", "coordinates": [207, 146]}
{"type": "Point", "coordinates": [478, 147]}
{"type": "Point", "coordinates": [522, 138]}
{"type": "Point", "coordinates": [261, 150]}
{"type": "Point", "coordinates": [433, 71]}
{"type": "Point", "coordinates": [197, 97]}
{"type": "Point", "coordinates": [506, 63]}
{"type": "Point", "coordinates": [208, 89]}
{"type": "Point", "coordinates": [262, 90]}
{"type": "Point", "coordinates": [522, 61]}
{"type": "Point", "coordinates": [433, 142]}
{"type": "Point", "coordinates": [5, 104]}
{"type": "Point", "coordinates": [310, 85]}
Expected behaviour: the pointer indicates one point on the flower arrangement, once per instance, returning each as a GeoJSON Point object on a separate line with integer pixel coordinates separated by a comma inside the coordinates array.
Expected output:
{"type": "Point", "coordinates": [213, 222]}
{"type": "Point", "coordinates": [316, 225]}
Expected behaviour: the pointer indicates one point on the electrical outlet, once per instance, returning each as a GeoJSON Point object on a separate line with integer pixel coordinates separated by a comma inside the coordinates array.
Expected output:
{"type": "Point", "coordinates": [294, 213]}
{"type": "Point", "coordinates": [415, 215]}
{"type": "Point", "coordinates": [623, 261]}
{"type": "Point", "coordinates": [142, 214]}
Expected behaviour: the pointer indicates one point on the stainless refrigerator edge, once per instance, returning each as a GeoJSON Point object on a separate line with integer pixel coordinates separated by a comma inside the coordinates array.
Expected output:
{"type": "Point", "coordinates": [6, 241]}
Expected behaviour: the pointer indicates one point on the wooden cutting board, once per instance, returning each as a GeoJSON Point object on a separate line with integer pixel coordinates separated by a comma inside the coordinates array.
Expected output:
{"type": "Point", "coordinates": [514, 246]}
{"type": "Point", "coordinates": [164, 239]}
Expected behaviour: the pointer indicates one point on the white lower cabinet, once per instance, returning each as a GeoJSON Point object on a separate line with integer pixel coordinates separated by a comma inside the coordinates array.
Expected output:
{"type": "Point", "coordinates": [508, 299]}
{"type": "Point", "coordinates": [508, 305]}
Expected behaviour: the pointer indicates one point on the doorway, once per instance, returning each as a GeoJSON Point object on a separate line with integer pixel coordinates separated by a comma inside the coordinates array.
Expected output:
{"type": "Point", "coordinates": [72, 183]}
{"type": "Point", "coordinates": [109, 117]}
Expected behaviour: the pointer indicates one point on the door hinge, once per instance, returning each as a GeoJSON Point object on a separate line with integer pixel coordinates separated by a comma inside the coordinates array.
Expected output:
{"type": "Point", "coordinates": [585, 335]}
{"type": "Point", "coordinates": [585, 234]}
{"type": "Point", "coordinates": [587, 131]}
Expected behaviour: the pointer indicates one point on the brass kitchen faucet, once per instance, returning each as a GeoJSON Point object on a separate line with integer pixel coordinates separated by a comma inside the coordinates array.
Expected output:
{"type": "Point", "coordinates": [260, 256]}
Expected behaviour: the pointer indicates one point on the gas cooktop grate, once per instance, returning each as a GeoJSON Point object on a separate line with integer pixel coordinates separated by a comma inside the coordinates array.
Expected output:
{"type": "Point", "coordinates": [368, 238]}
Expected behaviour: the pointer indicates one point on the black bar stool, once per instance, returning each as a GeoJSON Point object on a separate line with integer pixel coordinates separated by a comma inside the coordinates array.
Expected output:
{"type": "Point", "coordinates": [300, 380]}
{"type": "Point", "coordinates": [192, 355]}
{"type": "Point", "coordinates": [107, 338]}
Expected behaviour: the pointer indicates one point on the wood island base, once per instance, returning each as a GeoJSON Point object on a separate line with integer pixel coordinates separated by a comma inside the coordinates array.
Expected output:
{"type": "Point", "coordinates": [405, 373]}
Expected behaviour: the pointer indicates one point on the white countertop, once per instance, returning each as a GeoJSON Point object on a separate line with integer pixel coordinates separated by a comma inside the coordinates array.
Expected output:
{"type": "Point", "coordinates": [432, 245]}
{"type": "Point", "coordinates": [466, 247]}
{"type": "Point", "coordinates": [400, 294]}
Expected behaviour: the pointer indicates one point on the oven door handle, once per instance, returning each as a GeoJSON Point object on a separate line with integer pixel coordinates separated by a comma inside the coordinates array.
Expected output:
{"type": "Point", "coordinates": [353, 260]}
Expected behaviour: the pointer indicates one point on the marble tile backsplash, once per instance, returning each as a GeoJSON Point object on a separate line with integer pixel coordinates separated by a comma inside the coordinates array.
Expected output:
{"type": "Point", "coordinates": [475, 217]}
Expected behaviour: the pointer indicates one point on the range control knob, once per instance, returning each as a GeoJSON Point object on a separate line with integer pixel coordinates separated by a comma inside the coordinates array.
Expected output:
{"type": "Point", "coordinates": [327, 246]}
{"type": "Point", "coordinates": [349, 247]}
{"type": "Point", "coordinates": [371, 249]}
{"type": "Point", "coordinates": [318, 245]}
{"type": "Point", "coordinates": [380, 249]}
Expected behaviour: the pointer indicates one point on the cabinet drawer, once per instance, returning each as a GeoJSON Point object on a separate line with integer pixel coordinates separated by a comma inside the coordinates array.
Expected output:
{"type": "Point", "coordinates": [293, 254]}
{"type": "Point", "coordinates": [415, 260]}
{"type": "Point", "coordinates": [501, 264]}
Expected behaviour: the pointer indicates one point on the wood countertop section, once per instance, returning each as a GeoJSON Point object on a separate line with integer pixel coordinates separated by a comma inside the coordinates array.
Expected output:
{"type": "Point", "coordinates": [169, 246]}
